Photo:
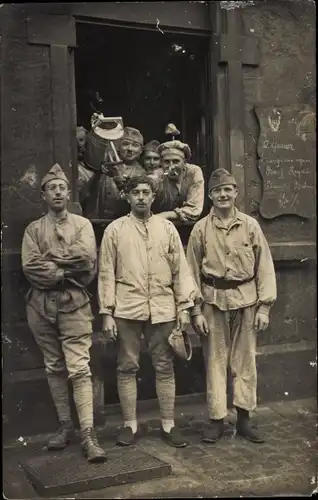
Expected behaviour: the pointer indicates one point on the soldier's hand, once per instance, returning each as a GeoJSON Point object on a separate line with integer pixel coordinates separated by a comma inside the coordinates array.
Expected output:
{"type": "Point", "coordinates": [200, 325]}
{"type": "Point", "coordinates": [109, 327]}
{"type": "Point", "coordinates": [261, 322]}
{"type": "Point", "coordinates": [183, 320]}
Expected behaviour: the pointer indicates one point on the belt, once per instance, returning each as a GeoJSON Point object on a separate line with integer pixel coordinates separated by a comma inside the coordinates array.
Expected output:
{"type": "Point", "coordinates": [223, 284]}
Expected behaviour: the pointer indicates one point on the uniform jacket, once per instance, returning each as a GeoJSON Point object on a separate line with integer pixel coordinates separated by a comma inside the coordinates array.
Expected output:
{"type": "Point", "coordinates": [238, 253]}
{"type": "Point", "coordinates": [186, 197]}
{"type": "Point", "coordinates": [59, 260]}
{"type": "Point", "coordinates": [143, 272]}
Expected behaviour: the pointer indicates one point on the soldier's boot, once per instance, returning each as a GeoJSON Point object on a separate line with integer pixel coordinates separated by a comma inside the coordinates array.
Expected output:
{"type": "Point", "coordinates": [64, 435]}
{"type": "Point", "coordinates": [213, 431]}
{"type": "Point", "coordinates": [91, 449]}
{"type": "Point", "coordinates": [246, 429]}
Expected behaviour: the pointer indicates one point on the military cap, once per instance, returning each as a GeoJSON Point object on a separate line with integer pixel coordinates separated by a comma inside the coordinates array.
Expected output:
{"type": "Point", "coordinates": [152, 146]}
{"type": "Point", "coordinates": [133, 134]}
{"type": "Point", "coordinates": [80, 128]}
{"type": "Point", "coordinates": [220, 177]}
{"type": "Point", "coordinates": [176, 147]}
{"type": "Point", "coordinates": [54, 173]}
{"type": "Point", "coordinates": [181, 344]}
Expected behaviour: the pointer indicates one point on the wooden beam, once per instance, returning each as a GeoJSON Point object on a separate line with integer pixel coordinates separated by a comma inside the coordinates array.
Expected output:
{"type": "Point", "coordinates": [51, 29]}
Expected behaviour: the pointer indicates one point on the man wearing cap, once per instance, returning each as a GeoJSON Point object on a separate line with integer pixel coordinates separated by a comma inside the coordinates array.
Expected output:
{"type": "Point", "coordinates": [59, 261]}
{"type": "Point", "coordinates": [233, 268]}
{"type": "Point", "coordinates": [151, 161]}
{"type": "Point", "coordinates": [180, 193]}
{"type": "Point", "coordinates": [144, 287]}
{"type": "Point", "coordinates": [106, 199]}
{"type": "Point", "coordinates": [85, 175]}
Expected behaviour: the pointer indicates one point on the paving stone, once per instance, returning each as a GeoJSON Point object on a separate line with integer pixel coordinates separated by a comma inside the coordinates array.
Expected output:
{"type": "Point", "coordinates": [294, 412]}
{"type": "Point", "coordinates": [190, 452]}
{"type": "Point", "coordinates": [285, 463]}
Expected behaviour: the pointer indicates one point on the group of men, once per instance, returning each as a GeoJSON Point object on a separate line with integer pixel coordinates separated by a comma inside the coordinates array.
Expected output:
{"type": "Point", "coordinates": [179, 184]}
{"type": "Point", "coordinates": [224, 285]}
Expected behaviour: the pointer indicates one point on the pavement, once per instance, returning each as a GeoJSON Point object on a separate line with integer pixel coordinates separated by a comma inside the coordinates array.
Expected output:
{"type": "Point", "coordinates": [286, 465]}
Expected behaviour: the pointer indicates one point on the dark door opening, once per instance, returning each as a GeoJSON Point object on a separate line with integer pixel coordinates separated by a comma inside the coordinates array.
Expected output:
{"type": "Point", "coordinates": [148, 78]}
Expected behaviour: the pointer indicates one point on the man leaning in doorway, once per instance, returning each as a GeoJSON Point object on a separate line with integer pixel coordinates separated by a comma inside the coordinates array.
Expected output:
{"type": "Point", "coordinates": [180, 195]}
{"type": "Point", "coordinates": [233, 267]}
{"type": "Point", "coordinates": [59, 261]}
{"type": "Point", "coordinates": [145, 287]}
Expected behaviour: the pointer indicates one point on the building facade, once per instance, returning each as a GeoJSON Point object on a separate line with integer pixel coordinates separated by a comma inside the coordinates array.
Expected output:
{"type": "Point", "coordinates": [237, 78]}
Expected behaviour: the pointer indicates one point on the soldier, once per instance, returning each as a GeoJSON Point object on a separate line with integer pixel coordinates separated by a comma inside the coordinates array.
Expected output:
{"type": "Point", "coordinates": [151, 160]}
{"type": "Point", "coordinates": [181, 193]}
{"type": "Point", "coordinates": [59, 261]}
{"type": "Point", "coordinates": [151, 163]}
{"type": "Point", "coordinates": [105, 198]}
{"type": "Point", "coordinates": [144, 286]}
{"type": "Point", "coordinates": [85, 175]}
{"type": "Point", "coordinates": [232, 265]}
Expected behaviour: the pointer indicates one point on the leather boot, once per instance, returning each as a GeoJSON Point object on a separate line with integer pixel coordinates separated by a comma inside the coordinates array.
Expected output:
{"type": "Point", "coordinates": [91, 449]}
{"type": "Point", "coordinates": [64, 435]}
{"type": "Point", "coordinates": [214, 431]}
{"type": "Point", "coordinates": [245, 429]}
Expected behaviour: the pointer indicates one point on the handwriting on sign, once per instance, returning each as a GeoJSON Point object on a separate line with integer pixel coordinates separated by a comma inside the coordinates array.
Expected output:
{"type": "Point", "coordinates": [287, 164]}
{"type": "Point", "coordinates": [277, 145]}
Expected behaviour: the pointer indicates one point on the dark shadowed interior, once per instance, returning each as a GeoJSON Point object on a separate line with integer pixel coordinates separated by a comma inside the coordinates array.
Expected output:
{"type": "Point", "coordinates": [147, 77]}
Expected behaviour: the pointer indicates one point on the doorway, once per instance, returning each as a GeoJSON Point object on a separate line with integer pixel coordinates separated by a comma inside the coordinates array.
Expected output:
{"type": "Point", "coordinates": [148, 78]}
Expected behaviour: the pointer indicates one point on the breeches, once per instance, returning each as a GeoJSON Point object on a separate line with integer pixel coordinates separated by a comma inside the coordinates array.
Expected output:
{"type": "Point", "coordinates": [156, 336]}
{"type": "Point", "coordinates": [231, 344]}
{"type": "Point", "coordinates": [65, 344]}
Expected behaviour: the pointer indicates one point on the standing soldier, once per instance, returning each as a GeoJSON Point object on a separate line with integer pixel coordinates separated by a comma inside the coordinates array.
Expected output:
{"type": "Point", "coordinates": [144, 286]}
{"type": "Point", "coordinates": [59, 261]}
{"type": "Point", "coordinates": [233, 267]}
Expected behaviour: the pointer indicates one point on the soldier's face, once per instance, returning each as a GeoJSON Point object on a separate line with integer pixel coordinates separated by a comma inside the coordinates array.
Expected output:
{"type": "Point", "coordinates": [151, 160]}
{"type": "Point", "coordinates": [224, 197]}
{"type": "Point", "coordinates": [129, 150]}
{"type": "Point", "coordinates": [172, 166]}
{"type": "Point", "coordinates": [56, 195]}
{"type": "Point", "coordinates": [140, 199]}
{"type": "Point", "coordinates": [81, 141]}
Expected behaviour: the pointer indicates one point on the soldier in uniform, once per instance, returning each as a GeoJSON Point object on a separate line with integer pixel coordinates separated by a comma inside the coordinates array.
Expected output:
{"type": "Point", "coordinates": [144, 287]}
{"type": "Point", "coordinates": [151, 160]}
{"type": "Point", "coordinates": [85, 175]}
{"type": "Point", "coordinates": [180, 195]}
{"type": "Point", "coordinates": [233, 268]}
{"type": "Point", "coordinates": [106, 198]}
{"type": "Point", "coordinates": [59, 261]}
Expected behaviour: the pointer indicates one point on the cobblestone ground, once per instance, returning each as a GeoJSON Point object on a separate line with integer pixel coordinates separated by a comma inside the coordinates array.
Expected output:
{"type": "Point", "coordinates": [285, 465]}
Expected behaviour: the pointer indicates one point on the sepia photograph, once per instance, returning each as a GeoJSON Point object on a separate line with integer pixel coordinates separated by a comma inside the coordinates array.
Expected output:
{"type": "Point", "coordinates": [158, 248]}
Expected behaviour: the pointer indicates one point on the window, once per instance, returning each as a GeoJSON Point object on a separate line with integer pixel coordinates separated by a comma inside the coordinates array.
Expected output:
{"type": "Point", "coordinates": [146, 77]}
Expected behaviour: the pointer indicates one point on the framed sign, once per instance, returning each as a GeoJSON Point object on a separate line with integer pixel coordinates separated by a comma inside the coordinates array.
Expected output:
{"type": "Point", "coordinates": [287, 160]}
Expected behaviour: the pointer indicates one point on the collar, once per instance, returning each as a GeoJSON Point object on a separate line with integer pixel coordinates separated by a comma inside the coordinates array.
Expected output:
{"type": "Point", "coordinates": [139, 221]}
{"type": "Point", "coordinates": [237, 219]}
{"type": "Point", "coordinates": [58, 220]}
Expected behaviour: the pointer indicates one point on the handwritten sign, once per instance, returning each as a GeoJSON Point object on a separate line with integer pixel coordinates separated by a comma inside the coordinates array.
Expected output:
{"type": "Point", "coordinates": [287, 160]}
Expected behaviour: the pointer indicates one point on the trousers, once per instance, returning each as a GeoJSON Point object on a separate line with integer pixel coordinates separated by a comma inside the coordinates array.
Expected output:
{"type": "Point", "coordinates": [231, 344]}
{"type": "Point", "coordinates": [156, 337]}
{"type": "Point", "coordinates": [65, 345]}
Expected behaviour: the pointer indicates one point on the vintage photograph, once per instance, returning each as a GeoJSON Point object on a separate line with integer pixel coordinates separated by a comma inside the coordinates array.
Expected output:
{"type": "Point", "coordinates": [158, 231]}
